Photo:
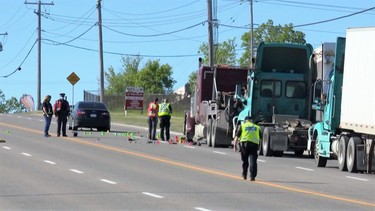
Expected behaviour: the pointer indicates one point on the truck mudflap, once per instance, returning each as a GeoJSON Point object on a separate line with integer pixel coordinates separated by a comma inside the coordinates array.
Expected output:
{"type": "Point", "coordinates": [279, 140]}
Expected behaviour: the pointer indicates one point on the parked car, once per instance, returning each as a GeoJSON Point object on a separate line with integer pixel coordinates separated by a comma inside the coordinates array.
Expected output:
{"type": "Point", "coordinates": [89, 115]}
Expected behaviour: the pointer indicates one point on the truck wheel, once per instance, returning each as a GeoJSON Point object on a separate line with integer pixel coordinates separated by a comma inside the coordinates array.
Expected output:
{"type": "Point", "coordinates": [351, 160]}
{"type": "Point", "coordinates": [312, 149]}
{"type": "Point", "coordinates": [266, 142]}
{"type": "Point", "coordinates": [278, 153]}
{"type": "Point", "coordinates": [213, 134]}
{"type": "Point", "coordinates": [260, 151]}
{"type": "Point", "coordinates": [209, 133]}
{"type": "Point", "coordinates": [341, 154]}
{"type": "Point", "coordinates": [319, 160]}
{"type": "Point", "coordinates": [298, 153]}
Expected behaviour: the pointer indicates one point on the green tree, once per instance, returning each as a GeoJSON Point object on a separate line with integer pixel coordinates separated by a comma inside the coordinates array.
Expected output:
{"type": "Point", "coordinates": [268, 32]}
{"type": "Point", "coordinates": [12, 105]}
{"type": "Point", "coordinates": [225, 52]}
{"type": "Point", "coordinates": [192, 80]}
{"type": "Point", "coordinates": [2, 102]}
{"type": "Point", "coordinates": [153, 77]}
{"type": "Point", "coordinates": [116, 83]}
{"type": "Point", "coordinates": [156, 78]}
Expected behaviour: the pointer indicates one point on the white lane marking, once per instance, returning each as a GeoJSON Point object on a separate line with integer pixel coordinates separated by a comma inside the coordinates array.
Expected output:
{"type": "Point", "coordinates": [217, 152]}
{"type": "Point", "coordinates": [26, 154]}
{"type": "Point", "coordinates": [108, 181]}
{"type": "Point", "coordinates": [356, 178]}
{"type": "Point", "coordinates": [29, 118]}
{"type": "Point", "coordinates": [304, 168]}
{"type": "Point", "coordinates": [202, 209]}
{"type": "Point", "coordinates": [153, 195]}
{"type": "Point", "coordinates": [263, 161]}
{"type": "Point", "coordinates": [19, 116]}
{"type": "Point", "coordinates": [190, 147]}
{"type": "Point", "coordinates": [50, 162]}
{"type": "Point", "coordinates": [7, 148]}
{"type": "Point", "coordinates": [76, 171]}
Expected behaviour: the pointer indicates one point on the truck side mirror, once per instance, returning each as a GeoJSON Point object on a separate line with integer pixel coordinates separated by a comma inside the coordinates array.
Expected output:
{"type": "Point", "coordinates": [238, 91]}
{"type": "Point", "coordinates": [318, 104]}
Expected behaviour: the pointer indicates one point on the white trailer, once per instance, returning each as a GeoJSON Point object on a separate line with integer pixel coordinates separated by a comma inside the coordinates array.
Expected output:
{"type": "Point", "coordinates": [347, 129]}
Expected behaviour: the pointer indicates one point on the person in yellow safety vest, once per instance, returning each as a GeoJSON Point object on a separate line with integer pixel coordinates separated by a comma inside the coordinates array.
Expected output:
{"type": "Point", "coordinates": [248, 134]}
{"type": "Point", "coordinates": [165, 112]}
{"type": "Point", "coordinates": [152, 113]}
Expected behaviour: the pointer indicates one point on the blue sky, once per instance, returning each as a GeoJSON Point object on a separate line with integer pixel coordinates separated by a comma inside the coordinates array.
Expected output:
{"type": "Point", "coordinates": [168, 30]}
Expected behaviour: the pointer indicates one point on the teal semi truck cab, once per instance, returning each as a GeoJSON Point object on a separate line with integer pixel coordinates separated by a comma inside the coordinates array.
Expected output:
{"type": "Point", "coordinates": [278, 96]}
{"type": "Point", "coordinates": [346, 131]}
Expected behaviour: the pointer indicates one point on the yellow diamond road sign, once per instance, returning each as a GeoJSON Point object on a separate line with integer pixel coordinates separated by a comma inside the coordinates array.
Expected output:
{"type": "Point", "coordinates": [73, 78]}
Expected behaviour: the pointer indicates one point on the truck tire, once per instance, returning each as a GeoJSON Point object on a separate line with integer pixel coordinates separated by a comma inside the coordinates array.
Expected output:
{"type": "Point", "coordinates": [266, 142]}
{"type": "Point", "coordinates": [341, 154]}
{"type": "Point", "coordinates": [278, 153]}
{"type": "Point", "coordinates": [213, 134]}
{"type": "Point", "coordinates": [209, 133]}
{"type": "Point", "coordinates": [260, 150]}
{"type": "Point", "coordinates": [299, 153]}
{"type": "Point", "coordinates": [319, 160]}
{"type": "Point", "coordinates": [351, 155]}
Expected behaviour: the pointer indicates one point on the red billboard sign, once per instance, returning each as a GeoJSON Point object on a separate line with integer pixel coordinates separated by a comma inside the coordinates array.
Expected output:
{"type": "Point", "coordinates": [134, 98]}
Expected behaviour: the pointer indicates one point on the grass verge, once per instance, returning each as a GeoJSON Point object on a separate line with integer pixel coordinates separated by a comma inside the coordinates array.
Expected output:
{"type": "Point", "coordinates": [140, 119]}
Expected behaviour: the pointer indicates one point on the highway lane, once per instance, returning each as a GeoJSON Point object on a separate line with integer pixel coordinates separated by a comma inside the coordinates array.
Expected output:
{"type": "Point", "coordinates": [95, 171]}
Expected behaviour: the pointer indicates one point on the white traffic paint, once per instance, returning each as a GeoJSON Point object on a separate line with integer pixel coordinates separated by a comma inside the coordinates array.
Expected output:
{"type": "Point", "coordinates": [108, 181]}
{"type": "Point", "coordinates": [357, 178]}
{"type": "Point", "coordinates": [50, 162]}
{"type": "Point", "coordinates": [153, 195]}
{"type": "Point", "coordinates": [306, 169]}
{"type": "Point", "coordinates": [76, 171]}
{"type": "Point", "coordinates": [201, 209]}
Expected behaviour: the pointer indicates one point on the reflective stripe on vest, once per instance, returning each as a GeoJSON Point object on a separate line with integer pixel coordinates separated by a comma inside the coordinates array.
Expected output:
{"type": "Point", "coordinates": [250, 132]}
{"type": "Point", "coordinates": [164, 109]}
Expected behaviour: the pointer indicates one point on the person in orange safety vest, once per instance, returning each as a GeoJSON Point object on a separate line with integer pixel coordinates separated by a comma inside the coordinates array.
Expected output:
{"type": "Point", "coordinates": [152, 113]}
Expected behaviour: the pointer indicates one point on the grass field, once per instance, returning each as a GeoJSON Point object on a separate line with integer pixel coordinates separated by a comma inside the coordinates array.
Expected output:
{"type": "Point", "coordinates": [139, 119]}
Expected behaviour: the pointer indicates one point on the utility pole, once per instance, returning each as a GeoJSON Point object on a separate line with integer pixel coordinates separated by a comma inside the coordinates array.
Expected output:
{"type": "Point", "coordinates": [251, 35]}
{"type": "Point", "coordinates": [211, 55]}
{"type": "Point", "coordinates": [210, 35]}
{"type": "Point", "coordinates": [39, 99]}
{"type": "Point", "coordinates": [101, 66]}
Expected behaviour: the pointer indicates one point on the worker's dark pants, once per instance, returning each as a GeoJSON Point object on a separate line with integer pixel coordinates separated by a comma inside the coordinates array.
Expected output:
{"type": "Point", "coordinates": [61, 125]}
{"type": "Point", "coordinates": [152, 124]}
{"type": "Point", "coordinates": [249, 149]}
{"type": "Point", "coordinates": [165, 124]}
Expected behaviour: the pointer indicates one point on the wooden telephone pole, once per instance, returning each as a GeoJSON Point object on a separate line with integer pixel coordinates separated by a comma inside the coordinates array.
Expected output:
{"type": "Point", "coordinates": [39, 3]}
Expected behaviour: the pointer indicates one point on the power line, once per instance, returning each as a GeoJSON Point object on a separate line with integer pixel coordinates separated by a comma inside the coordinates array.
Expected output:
{"type": "Point", "coordinates": [75, 38]}
{"type": "Point", "coordinates": [334, 19]}
{"type": "Point", "coordinates": [19, 67]}
{"type": "Point", "coordinates": [118, 53]}
{"type": "Point", "coordinates": [155, 35]}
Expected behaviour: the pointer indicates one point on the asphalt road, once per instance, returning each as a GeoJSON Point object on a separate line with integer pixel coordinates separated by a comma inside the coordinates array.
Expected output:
{"type": "Point", "coordinates": [106, 171]}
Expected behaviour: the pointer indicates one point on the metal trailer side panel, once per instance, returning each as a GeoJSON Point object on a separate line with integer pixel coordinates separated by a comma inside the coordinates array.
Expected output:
{"type": "Point", "coordinates": [358, 95]}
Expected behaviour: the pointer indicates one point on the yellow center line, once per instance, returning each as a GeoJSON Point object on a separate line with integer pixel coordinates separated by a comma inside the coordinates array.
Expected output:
{"type": "Point", "coordinates": [196, 168]}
